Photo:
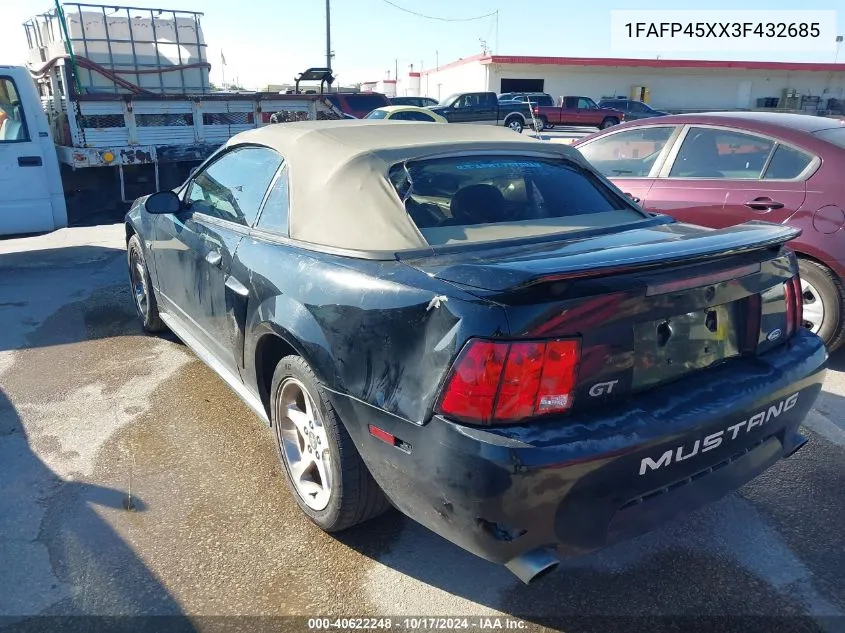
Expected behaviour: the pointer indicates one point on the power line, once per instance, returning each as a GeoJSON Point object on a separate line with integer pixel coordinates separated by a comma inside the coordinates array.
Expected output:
{"type": "Point", "coordinates": [433, 17]}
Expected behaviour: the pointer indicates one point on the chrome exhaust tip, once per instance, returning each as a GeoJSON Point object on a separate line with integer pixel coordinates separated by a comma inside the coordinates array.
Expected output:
{"type": "Point", "coordinates": [533, 565]}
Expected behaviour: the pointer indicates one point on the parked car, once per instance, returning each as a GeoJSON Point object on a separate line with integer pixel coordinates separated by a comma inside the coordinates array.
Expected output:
{"type": "Point", "coordinates": [537, 98]}
{"type": "Point", "coordinates": [480, 329]}
{"type": "Point", "coordinates": [358, 104]}
{"type": "Point", "coordinates": [632, 109]}
{"type": "Point", "coordinates": [406, 113]}
{"type": "Point", "coordinates": [578, 111]}
{"type": "Point", "coordinates": [721, 169]}
{"type": "Point", "coordinates": [484, 107]}
{"type": "Point", "coordinates": [420, 102]}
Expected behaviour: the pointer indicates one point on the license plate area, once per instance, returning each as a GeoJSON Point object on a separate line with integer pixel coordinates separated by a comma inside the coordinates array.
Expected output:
{"type": "Point", "coordinates": [667, 348]}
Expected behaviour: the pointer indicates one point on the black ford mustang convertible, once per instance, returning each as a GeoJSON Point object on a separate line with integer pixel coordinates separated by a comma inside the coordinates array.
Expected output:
{"type": "Point", "coordinates": [480, 330]}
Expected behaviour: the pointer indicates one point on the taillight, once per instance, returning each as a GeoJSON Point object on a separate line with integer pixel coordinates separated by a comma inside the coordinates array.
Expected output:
{"type": "Point", "coordinates": [495, 382]}
{"type": "Point", "coordinates": [799, 302]}
{"type": "Point", "coordinates": [794, 305]}
{"type": "Point", "coordinates": [536, 110]}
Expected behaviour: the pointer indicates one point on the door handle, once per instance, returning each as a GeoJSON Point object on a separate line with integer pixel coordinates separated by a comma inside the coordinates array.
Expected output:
{"type": "Point", "coordinates": [764, 204]}
{"type": "Point", "coordinates": [29, 161]}
{"type": "Point", "coordinates": [214, 258]}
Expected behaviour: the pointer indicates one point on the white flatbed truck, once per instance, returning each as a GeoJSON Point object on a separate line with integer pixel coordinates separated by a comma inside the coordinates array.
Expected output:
{"type": "Point", "coordinates": [114, 103]}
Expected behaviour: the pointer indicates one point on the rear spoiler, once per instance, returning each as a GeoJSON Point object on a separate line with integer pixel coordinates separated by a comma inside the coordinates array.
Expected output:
{"type": "Point", "coordinates": [732, 240]}
{"type": "Point", "coordinates": [514, 269]}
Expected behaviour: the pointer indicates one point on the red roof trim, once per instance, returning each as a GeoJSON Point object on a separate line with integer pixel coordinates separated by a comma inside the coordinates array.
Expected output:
{"type": "Point", "coordinates": [662, 63]}
{"type": "Point", "coordinates": [389, 81]}
{"type": "Point", "coordinates": [610, 62]}
{"type": "Point", "coordinates": [413, 74]}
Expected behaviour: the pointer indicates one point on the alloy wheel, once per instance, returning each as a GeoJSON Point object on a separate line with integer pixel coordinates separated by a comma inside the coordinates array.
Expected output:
{"type": "Point", "coordinates": [304, 444]}
{"type": "Point", "coordinates": [138, 278]}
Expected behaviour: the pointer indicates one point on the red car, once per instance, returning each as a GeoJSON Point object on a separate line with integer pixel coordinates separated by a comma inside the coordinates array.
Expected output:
{"type": "Point", "coordinates": [721, 169]}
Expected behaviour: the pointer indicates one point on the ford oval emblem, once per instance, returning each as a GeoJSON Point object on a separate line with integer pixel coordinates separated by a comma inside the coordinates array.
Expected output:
{"type": "Point", "coordinates": [774, 335]}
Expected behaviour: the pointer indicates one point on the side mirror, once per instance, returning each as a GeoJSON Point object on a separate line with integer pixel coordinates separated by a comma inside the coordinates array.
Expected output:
{"type": "Point", "coordinates": [163, 202]}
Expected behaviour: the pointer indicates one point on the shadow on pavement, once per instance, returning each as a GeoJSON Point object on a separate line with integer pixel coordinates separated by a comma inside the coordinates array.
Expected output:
{"type": "Point", "coordinates": [59, 296]}
{"type": "Point", "coordinates": [61, 561]}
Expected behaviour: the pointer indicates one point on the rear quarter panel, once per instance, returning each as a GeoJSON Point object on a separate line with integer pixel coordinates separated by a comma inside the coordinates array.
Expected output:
{"type": "Point", "coordinates": [380, 332]}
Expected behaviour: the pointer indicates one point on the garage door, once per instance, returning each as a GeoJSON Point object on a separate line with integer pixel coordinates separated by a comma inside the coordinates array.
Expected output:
{"type": "Point", "coordinates": [522, 85]}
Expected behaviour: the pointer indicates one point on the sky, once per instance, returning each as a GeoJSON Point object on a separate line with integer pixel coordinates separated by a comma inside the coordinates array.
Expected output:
{"type": "Point", "coordinates": [270, 41]}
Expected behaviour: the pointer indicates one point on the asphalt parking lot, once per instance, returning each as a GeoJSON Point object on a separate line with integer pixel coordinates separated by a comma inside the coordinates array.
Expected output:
{"type": "Point", "coordinates": [95, 416]}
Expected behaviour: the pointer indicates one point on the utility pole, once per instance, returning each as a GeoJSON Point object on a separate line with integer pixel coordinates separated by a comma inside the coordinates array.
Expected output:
{"type": "Point", "coordinates": [838, 44]}
{"type": "Point", "coordinates": [396, 69]}
{"type": "Point", "coordinates": [328, 35]}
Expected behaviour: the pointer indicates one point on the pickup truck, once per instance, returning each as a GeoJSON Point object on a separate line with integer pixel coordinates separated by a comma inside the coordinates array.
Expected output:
{"type": "Point", "coordinates": [484, 107]}
{"type": "Point", "coordinates": [580, 111]}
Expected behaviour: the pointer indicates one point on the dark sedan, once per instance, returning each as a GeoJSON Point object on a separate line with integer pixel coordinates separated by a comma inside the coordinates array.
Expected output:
{"type": "Point", "coordinates": [480, 330]}
{"type": "Point", "coordinates": [722, 169]}
{"type": "Point", "coordinates": [633, 109]}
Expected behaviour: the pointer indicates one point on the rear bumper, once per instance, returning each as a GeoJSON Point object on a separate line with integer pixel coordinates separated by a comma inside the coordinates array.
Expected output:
{"type": "Point", "coordinates": [580, 483]}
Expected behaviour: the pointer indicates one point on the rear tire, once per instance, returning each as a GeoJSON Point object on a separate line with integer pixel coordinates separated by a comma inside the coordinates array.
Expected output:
{"type": "Point", "coordinates": [515, 123]}
{"type": "Point", "coordinates": [824, 302]}
{"type": "Point", "coordinates": [308, 432]}
{"type": "Point", "coordinates": [609, 122]}
{"type": "Point", "coordinates": [141, 287]}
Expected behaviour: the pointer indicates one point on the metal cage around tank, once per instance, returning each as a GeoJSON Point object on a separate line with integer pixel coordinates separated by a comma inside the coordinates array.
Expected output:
{"type": "Point", "coordinates": [121, 50]}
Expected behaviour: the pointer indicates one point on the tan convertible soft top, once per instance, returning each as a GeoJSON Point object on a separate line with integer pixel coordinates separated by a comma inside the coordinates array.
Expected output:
{"type": "Point", "coordinates": [339, 192]}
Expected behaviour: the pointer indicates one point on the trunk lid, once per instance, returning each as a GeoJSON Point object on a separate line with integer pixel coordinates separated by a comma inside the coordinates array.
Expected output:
{"type": "Point", "coordinates": [648, 305]}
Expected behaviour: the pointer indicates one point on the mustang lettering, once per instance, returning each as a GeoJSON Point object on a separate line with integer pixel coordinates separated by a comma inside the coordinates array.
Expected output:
{"type": "Point", "coordinates": [714, 440]}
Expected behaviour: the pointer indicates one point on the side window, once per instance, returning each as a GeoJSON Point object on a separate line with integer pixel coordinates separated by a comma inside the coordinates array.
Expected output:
{"type": "Point", "coordinates": [12, 122]}
{"type": "Point", "coordinates": [712, 153]}
{"type": "Point", "coordinates": [233, 187]}
{"type": "Point", "coordinates": [274, 217]}
{"type": "Point", "coordinates": [490, 100]}
{"type": "Point", "coordinates": [636, 106]}
{"type": "Point", "coordinates": [411, 115]}
{"type": "Point", "coordinates": [570, 102]}
{"type": "Point", "coordinates": [627, 154]}
{"type": "Point", "coordinates": [586, 104]}
{"type": "Point", "coordinates": [787, 163]}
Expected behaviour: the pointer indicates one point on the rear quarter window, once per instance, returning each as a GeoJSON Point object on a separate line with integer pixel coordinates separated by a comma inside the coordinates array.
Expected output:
{"type": "Point", "coordinates": [473, 199]}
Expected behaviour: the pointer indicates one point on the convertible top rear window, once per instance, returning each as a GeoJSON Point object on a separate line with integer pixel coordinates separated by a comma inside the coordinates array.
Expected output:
{"type": "Point", "coordinates": [482, 198]}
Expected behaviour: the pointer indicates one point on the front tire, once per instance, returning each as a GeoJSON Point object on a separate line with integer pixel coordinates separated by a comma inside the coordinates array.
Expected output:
{"type": "Point", "coordinates": [325, 473]}
{"type": "Point", "coordinates": [515, 123]}
{"type": "Point", "coordinates": [142, 288]}
{"type": "Point", "coordinates": [609, 122]}
{"type": "Point", "coordinates": [824, 303]}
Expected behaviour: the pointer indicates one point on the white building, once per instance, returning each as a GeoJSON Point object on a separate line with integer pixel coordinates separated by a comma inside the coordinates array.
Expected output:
{"type": "Point", "coordinates": [669, 84]}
